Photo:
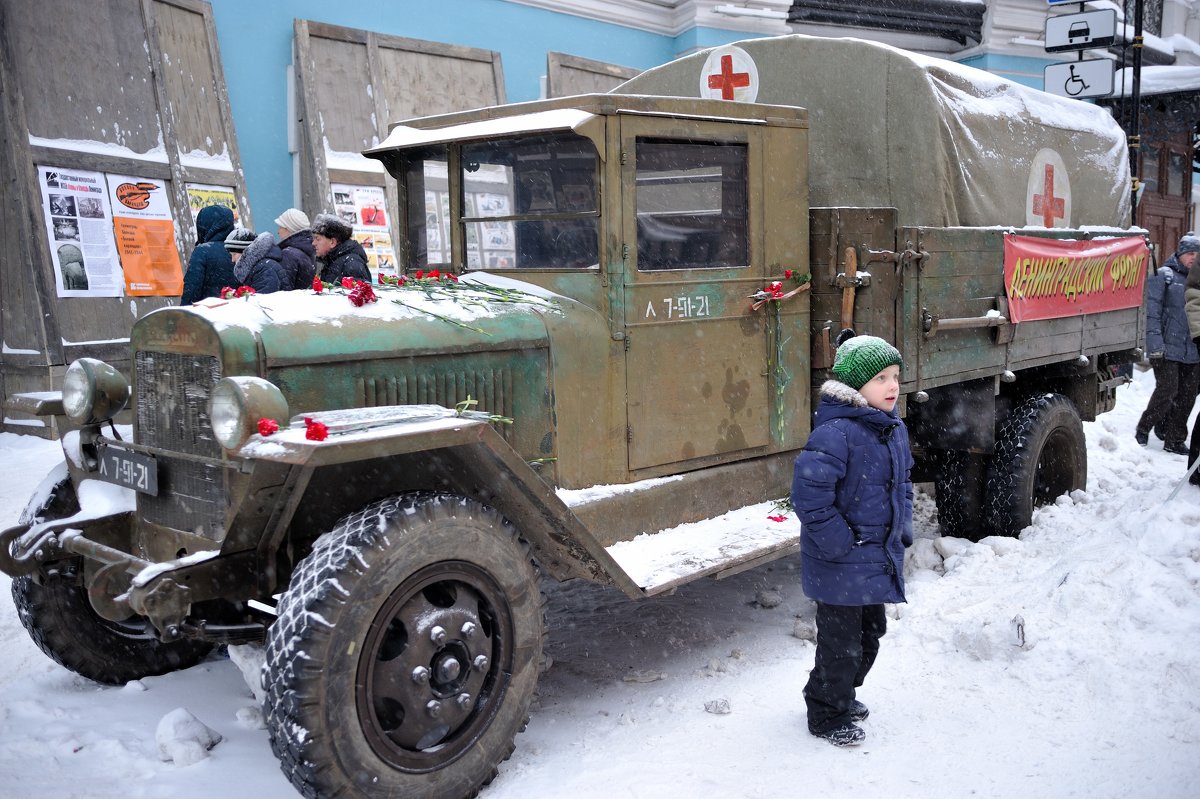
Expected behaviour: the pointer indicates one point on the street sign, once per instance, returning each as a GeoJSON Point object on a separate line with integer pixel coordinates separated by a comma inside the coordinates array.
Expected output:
{"type": "Point", "coordinates": [1092, 77]}
{"type": "Point", "coordinates": [1081, 31]}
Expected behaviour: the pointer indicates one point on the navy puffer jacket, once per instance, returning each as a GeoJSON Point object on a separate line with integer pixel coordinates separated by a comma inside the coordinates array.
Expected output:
{"type": "Point", "coordinates": [259, 267]}
{"type": "Point", "coordinates": [1166, 320]}
{"type": "Point", "coordinates": [210, 268]}
{"type": "Point", "coordinates": [852, 491]}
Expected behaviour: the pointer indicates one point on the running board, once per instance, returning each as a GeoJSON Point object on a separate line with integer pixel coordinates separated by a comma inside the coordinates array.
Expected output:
{"type": "Point", "coordinates": [741, 539]}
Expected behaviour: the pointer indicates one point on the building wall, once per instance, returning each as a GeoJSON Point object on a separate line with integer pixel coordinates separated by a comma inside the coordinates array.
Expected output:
{"type": "Point", "coordinates": [256, 49]}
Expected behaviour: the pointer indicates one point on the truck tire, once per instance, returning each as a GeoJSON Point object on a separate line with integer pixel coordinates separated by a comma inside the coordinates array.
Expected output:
{"type": "Point", "coordinates": [405, 652]}
{"type": "Point", "coordinates": [960, 488]}
{"type": "Point", "coordinates": [1040, 455]}
{"type": "Point", "coordinates": [60, 620]}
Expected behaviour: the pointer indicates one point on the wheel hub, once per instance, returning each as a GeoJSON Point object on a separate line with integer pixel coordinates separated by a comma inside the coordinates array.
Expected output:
{"type": "Point", "coordinates": [429, 664]}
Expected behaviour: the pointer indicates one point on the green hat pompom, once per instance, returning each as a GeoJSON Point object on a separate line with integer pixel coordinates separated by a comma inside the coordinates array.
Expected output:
{"type": "Point", "coordinates": [860, 358]}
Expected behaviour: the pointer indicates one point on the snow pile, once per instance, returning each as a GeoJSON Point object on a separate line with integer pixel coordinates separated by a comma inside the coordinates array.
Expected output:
{"type": "Point", "coordinates": [184, 739]}
{"type": "Point", "coordinates": [1061, 663]}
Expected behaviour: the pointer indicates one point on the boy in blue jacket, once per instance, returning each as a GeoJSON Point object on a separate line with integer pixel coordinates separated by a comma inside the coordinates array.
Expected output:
{"type": "Point", "coordinates": [852, 491]}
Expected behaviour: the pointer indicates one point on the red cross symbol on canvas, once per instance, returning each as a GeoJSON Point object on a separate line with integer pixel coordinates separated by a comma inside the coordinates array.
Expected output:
{"type": "Point", "coordinates": [1049, 206]}
{"type": "Point", "coordinates": [728, 80]}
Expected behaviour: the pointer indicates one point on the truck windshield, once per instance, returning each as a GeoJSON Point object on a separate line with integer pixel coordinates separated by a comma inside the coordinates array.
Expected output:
{"type": "Point", "coordinates": [531, 203]}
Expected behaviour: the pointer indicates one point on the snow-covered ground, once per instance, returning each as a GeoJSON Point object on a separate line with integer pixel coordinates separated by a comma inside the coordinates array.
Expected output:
{"type": "Point", "coordinates": [1065, 663]}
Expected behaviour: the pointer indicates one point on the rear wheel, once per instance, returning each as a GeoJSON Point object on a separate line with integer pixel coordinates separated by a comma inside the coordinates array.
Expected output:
{"type": "Point", "coordinates": [406, 652]}
{"type": "Point", "coordinates": [959, 491]}
{"type": "Point", "coordinates": [1041, 454]}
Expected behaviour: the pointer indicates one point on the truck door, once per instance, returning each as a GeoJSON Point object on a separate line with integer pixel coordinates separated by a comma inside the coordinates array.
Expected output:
{"type": "Point", "coordinates": [696, 354]}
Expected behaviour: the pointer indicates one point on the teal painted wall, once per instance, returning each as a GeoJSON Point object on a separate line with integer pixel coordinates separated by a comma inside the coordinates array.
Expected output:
{"type": "Point", "coordinates": [255, 39]}
{"type": "Point", "coordinates": [1026, 70]}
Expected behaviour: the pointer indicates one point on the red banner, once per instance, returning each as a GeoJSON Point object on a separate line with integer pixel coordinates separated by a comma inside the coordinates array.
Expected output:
{"type": "Point", "coordinates": [1052, 278]}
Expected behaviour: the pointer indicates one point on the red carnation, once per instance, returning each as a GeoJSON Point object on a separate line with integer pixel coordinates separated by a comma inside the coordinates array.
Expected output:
{"type": "Point", "coordinates": [227, 292]}
{"type": "Point", "coordinates": [777, 518]}
{"type": "Point", "coordinates": [267, 426]}
{"type": "Point", "coordinates": [787, 274]}
{"type": "Point", "coordinates": [419, 274]}
{"type": "Point", "coordinates": [315, 431]}
{"type": "Point", "coordinates": [318, 286]}
{"type": "Point", "coordinates": [433, 273]}
{"type": "Point", "coordinates": [347, 282]}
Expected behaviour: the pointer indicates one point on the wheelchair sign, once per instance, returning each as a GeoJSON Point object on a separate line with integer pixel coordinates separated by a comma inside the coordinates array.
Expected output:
{"type": "Point", "coordinates": [1079, 79]}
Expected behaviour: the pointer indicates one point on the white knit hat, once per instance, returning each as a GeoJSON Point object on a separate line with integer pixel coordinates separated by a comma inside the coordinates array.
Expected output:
{"type": "Point", "coordinates": [293, 220]}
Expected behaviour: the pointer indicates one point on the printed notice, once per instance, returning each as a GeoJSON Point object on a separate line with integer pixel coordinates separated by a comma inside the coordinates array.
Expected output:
{"type": "Point", "coordinates": [79, 229]}
{"type": "Point", "coordinates": [365, 210]}
{"type": "Point", "coordinates": [201, 195]}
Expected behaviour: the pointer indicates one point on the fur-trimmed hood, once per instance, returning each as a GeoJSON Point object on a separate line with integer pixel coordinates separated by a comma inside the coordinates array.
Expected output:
{"type": "Point", "coordinates": [839, 391]}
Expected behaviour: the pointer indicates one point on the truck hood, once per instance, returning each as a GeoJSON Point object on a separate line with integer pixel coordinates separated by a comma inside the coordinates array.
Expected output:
{"type": "Point", "coordinates": [260, 332]}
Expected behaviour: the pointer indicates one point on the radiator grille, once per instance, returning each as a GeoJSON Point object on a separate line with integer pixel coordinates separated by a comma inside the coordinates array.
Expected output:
{"type": "Point", "coordinates": [172, 413]}
{"type": "Point", "coordinates": [492, 388]}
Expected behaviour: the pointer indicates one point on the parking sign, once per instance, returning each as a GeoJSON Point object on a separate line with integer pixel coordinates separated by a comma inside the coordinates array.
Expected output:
{"type": "Point", "coordinates": [1091, 77]}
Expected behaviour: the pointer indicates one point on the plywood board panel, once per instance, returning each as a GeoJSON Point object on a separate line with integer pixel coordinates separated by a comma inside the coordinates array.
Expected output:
{"type": "Point", "coordinates": [73, 59]}
{"type": "Point", "coordinates": [419, 83]}
{"type": "Point", "coordinates": [572, 74]}
{"type": "Point", "coordinates": [341, 83]}
{"type": "Point", "coordinates": [188, 73]}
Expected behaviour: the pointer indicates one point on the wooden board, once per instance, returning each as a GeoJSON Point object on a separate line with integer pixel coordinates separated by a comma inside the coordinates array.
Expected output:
{"type": "Point", "coordinates": [572, 74]}
{"type": "Point", "coordinates": [143, 87]}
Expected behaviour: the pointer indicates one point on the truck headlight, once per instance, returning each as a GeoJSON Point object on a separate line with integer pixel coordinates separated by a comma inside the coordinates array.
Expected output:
{"type": "Point", "coordinates": [93, 392]}
{"type": "Point", "coordinates": [236, 405]}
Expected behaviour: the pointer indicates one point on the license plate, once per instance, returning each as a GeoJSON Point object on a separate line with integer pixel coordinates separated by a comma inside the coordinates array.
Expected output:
{"type": "Point", "coordinates": [129, 469]}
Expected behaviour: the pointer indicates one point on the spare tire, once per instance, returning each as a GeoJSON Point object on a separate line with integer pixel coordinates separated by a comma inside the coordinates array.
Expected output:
{"type": "Point", "coordinates": [1041, 454]}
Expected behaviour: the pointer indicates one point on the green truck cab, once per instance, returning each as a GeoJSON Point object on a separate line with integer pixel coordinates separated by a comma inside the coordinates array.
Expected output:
{"type": "Point", "coordinates": [657, 326]}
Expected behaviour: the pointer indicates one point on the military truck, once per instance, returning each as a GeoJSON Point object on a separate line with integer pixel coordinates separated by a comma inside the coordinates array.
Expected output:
{"type": "Point", "coordinates": [631, 293]}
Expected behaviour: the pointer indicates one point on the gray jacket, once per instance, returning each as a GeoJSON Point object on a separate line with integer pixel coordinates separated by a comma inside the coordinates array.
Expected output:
{"type": "Point", "coordinates": [1167, 328]}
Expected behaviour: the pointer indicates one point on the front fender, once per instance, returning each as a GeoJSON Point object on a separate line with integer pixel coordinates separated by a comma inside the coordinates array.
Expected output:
{"type": "Point", "coordinates": [472, 459]}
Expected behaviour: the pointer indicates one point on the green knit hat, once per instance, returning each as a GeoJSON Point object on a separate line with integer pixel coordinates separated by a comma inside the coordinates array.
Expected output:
{"type": "Point", "coordinates": [860, 358]}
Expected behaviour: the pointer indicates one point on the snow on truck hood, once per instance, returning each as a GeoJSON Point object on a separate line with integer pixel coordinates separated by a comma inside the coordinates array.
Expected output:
{"type": "Point", "coordinates": [302, 323]}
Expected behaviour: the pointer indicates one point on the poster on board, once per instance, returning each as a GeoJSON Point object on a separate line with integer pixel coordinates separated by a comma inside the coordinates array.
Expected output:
{"type": "Point", "coordinates": [365, 210]}
{"type": "Point", "coordinates": [145, 236]}
{"type": "Point", "coordinates": [202, 195]}
{"type": "Point", "coordinates": [79, 230]}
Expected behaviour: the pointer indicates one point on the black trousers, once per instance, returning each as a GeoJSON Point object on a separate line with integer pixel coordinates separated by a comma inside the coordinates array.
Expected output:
{"type": "Point", "coordinates": [1175, 386]}
{"type": "Point", "coordinates": [847, 644]}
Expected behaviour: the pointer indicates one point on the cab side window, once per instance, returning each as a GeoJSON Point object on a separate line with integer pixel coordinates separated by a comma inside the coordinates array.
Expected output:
{"type": "Point", "coordinates": [691, 205]}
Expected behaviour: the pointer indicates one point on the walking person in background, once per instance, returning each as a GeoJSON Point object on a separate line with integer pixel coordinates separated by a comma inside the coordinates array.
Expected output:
{"type": "Point", "coordinates": [210, 268]}
{"type": "Point", "coordinates": [256, 260]}
{"type": "Point", "coordinates": [1172, 353]}
{"type": "Point", "coordinates": [295, 241]}
{"type": "Point", "coordinates": [1191, 304]}
{"type": "Point", "coordinates": [340, 255]}
{"type": "Point", "coordinates": [852, 491]}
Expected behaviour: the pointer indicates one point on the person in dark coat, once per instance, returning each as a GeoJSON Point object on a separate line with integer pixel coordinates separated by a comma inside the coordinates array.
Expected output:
{"type": "Point", "coordinates": [210, 268]}
{"type": "Point", "coordinates": [852, 491]}
{"type": "Point", "coordinates": [340, 255]}
{"type": "Point", "coordinates": [295, 240]}
{"type": "Point", "coordinates": [256, 260]}
{"type": "Point", "coordinates": [1172, 353]}
{"type": "Point", "coordinates": [1191, 304]}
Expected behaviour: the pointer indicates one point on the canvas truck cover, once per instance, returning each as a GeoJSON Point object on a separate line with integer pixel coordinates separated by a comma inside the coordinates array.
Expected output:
{"type": "Point", "coordinates": [945, 144]}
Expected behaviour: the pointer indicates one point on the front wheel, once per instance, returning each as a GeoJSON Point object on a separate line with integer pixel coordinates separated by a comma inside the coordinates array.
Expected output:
{"type": "Point", "coordinates": [406, 651]}
{"type": "Point", "coordinates": [1041, 454]}
{"type": "Point", "coordinates": [59, 618]}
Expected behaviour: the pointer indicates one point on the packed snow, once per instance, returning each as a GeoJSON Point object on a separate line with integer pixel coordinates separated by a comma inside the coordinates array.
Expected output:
{"type": "Point", "coordinates": [1063, 663]}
